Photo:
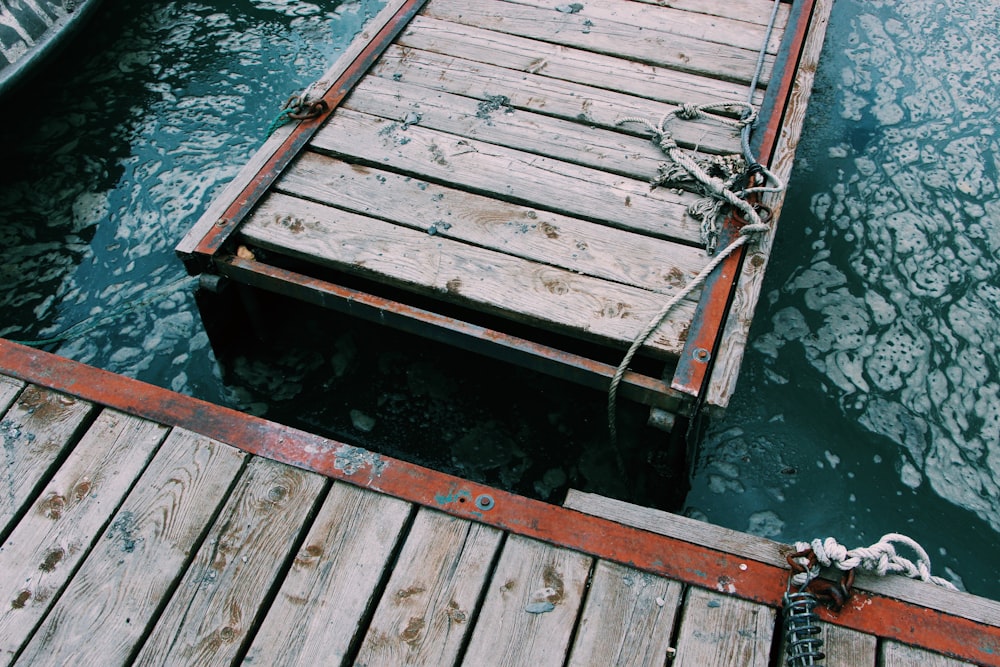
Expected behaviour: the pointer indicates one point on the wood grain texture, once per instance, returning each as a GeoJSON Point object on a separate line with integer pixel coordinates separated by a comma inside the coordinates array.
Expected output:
{"type": "Point", "coordinates": [105, 610]}
{"type": "Point", "coordinates": [35, 432]}
{"type": "Point", "coordinates": [323, 599]}
{"type": "Point", "coordinates": [753, 11]}
{"type": "Point", "coordinates": [569, 243]}
{"type": "Point", "coordinates": [972, 607]}
{"type": "Point", "coordinates": [61, 526]}
{"type": "Point", "coordinates": [531, 603]}
{"type": "Point", "coordinates": [9, 389]}
{"type": "Point", "coordinates": [720, 630]}
{"type": "Point", "coordinates": [736, 329]}
{"type": "Point", "coordinates": [510, 174]}
{"type": "Point", "coordinates": [553, 65]}
{"type": "Point", "coordinates": [249, 171]}
{"type": "Point", "coordinates": [430, 601]}
{"type": "Point", "coordinates": [678, 527]}
{"type": "Point", "coordinates": [617, 38]}
{"type": "Point", "coordinates": [497, 122]}
{"type": "Point", "coordinates": [895, 654]}
{"type": "Point", "coordinates": [219, 600]}
{"type": "Point", "coordinates": [628, 618]}
{"type": "Point", "coordinates": [493, 282]}
{"type": "Point", "coordinates": [672, 22]}
{"type": "Point", "coordinates": [842, 647]}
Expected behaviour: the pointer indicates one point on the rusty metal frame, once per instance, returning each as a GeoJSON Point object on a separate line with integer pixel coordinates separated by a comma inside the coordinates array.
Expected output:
{"type": "Point", "coordinates": [467, 336]}
{"type": "Point", "coordinates": [713, 306]}
{"type": "Point", "coordinates": [676, 559]}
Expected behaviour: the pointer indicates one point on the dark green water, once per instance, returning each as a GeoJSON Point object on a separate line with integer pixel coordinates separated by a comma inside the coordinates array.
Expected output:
{"type": "Point", "coordinates": [868, 400]}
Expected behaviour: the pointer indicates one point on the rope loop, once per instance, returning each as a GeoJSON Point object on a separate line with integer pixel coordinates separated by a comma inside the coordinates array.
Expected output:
{"type": "Point", "coordinates": [880, 558]}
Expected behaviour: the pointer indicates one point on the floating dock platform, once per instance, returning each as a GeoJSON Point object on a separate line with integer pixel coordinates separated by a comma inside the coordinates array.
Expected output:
{"type": "Point", "coordinates": [140, 526]}
{"type": "Point", "coordinates": [463, 172]}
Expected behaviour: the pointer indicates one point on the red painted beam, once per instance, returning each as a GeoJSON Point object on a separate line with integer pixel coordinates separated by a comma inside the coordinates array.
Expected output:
{"type": "Point", "coordinates": [543, 358]}
{"type": "Point", "coordinates": [710, 315]}
{"type": "Point", "coordinates": [683, 561]}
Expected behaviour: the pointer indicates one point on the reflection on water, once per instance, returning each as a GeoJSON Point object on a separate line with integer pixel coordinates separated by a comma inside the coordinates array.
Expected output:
{"type": "Point", "coordinates": [111, 166]}
{"type": "Point", "coordinates": [886, 297]}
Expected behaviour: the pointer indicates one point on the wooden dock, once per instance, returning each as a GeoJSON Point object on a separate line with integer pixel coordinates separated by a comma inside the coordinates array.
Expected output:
{"type": "Point", "coordinates": [139, 526]}
{"type": "Point", "coordinates": [463, 172]}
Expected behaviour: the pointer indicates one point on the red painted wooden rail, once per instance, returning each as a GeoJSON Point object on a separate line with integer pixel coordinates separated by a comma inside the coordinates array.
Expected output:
{"type": "Point", "coordinates": [683, 561]}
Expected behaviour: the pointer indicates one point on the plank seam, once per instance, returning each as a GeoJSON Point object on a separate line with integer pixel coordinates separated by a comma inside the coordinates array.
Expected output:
{"type": "Point", "coordinates": [481, 599]}
{"type": "Point", "coordinates": [571, 643]}
{"type": "Point", "coordinates": [72, 440]}
{"type": "Point", "coordinates": [282, 572]}
{"type": "Point", "coordinates": [947, 632]}
{"type": "Point", "coordinates": [365, 620]}
{"type": "Point", "coordinates": [199, 541]}
{"type": "Point", "coordinates": [93, 541]}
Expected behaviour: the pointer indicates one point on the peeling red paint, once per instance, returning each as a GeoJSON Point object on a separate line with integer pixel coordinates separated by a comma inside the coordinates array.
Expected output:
{"type": "Point", "coordinates": [676, 559]}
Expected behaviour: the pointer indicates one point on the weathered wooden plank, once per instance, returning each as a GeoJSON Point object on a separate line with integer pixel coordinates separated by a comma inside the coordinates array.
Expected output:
{"type": "Point", "coordinates": [972, 607]}
{"type": "Point", "coordinates": [9, 389]}
{"type": "Point", "coordinates": [895, 654]}
{"type": "Point", "coordinates": [430, 601]}
{"type": "Point", "coordinates": [720, 630]}
{"type": "Point", "coordinates": [663, 18]}
{"type": "Point", "coordinates": [58, 531]}
{"type": "Point", "coordinates": [528, 614]}
{"type": "Point", "coordinates": [628, 618]}
{"type": "Point", "coordinates": [36, 432]}
{"type": "Point", "coordinates": [615, 38]}
{"type": "Point", "coordinates": [562, 241]}
{"type": "Point", "coordinates": [753, 11]}
{"type": "Point", "coordinates": [105, 610]}
{"type": "Point", "coordinates": [249, 171]}
{"type": "Point", "coordinates": [219, 600]}
{"type": "Point", "coordinates": [553, 62]}
{"type": "Point", "coordinates": [497, 122]}
{"type": "Point", "coordinates": [510, 174]}
{"type": "Point", "coordinates": [678, 527]}
{"type": "Point", "coordinates": [320, 607]}
{"type": "Point", "coordinates": [736, 329]}
{"type": "Point", "coordinates": [534, 293]}
{"type": "Point", "coordinates": [842, 647]}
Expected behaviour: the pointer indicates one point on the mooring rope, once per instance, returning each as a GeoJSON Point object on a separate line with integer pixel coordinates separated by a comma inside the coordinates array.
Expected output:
{"type": "Point", "coordinates": [880, 558]}
{"type": "Point", "coordinates": [718, 191]}
{"type": "Point", "coordinates": [715, 187]}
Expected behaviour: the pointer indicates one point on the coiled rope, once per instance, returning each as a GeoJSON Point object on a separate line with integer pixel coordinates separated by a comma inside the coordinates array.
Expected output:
{"type": "Point", "coordinates": [715, 187]}
{"type": "Point", "coordinates": [718, 190]}
{"type": "Point", "coordinates": [880, 558]}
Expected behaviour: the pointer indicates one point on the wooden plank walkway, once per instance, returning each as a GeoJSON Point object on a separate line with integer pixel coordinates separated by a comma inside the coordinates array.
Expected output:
{"type": "Point", "coordinates": [470, 164]}
{"type": "Point", "coordinates": [157, 529]}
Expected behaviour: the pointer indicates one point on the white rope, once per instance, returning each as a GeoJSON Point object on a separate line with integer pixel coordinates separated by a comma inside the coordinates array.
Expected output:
{"type": "Point", "coordinates": [880, 558]}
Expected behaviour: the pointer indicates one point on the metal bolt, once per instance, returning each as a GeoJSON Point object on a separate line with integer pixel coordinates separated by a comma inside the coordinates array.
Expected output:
{"type": "Point", "coordinates": [701, 354]}
{"type": "Point", "coordinates": [485, 502]}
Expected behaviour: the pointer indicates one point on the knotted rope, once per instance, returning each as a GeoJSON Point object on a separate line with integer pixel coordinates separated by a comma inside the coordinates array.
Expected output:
{"type": "Point", "coordinates": [716, 177]}
{"type": "Point", "coordinates": [716, 189]}
{"type": "Point", "coordinates": [707, 213]}
{"type": "Point", "coordinates": [880, 558]}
